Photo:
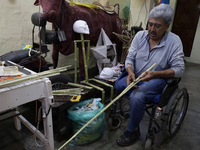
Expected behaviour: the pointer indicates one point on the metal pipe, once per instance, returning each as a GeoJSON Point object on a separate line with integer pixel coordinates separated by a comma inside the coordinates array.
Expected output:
{"type": "Point", "coordinates": [84, 57]}
{"type": "Point", "coordinates": [98, 88]}
{"type": "Point", "coordinates": [75, 61]}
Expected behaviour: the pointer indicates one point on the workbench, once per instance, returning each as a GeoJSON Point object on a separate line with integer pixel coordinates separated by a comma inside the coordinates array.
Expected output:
{"type": "Point", "coordinates": [39, 89]}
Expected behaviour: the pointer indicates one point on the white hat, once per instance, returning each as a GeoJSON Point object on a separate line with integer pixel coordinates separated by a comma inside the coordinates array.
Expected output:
{"type": "Point", "coordinates": [106, 73]}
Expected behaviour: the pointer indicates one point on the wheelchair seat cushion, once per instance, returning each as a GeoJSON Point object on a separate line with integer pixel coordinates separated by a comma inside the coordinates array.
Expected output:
{"type": "Point", "coordinates": [156, 98]}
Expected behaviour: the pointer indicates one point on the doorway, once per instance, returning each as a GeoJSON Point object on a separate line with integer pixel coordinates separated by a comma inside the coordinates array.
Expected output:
{"type": "Point", "coordinates": [185, 22]}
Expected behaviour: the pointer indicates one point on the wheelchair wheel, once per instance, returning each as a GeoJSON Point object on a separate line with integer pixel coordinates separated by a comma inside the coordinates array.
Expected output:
{"type": "Point", "coordinates": [175, 112]}
{"type": "Point", "coordinates": [114, 122]}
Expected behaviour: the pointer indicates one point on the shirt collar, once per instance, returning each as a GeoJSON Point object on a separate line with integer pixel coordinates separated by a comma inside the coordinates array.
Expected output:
{"type": "Point", "coordinates": [162, 42]}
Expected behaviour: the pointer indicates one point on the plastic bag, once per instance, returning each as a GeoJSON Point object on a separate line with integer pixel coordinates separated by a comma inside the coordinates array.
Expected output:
{"type": "Point", "coordinates": [79, 118]}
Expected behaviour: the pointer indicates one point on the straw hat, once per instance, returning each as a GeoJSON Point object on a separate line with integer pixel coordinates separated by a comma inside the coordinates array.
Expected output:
{"type": "Point", "coordinates": [104, 4]}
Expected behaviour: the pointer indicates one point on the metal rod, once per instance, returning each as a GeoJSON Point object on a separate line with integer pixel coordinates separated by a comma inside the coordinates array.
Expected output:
{"type": "Point", "coordinates": [88, 53]}
{"type": "Point", "coordinates": [96, 87]}
{"type": "Point", "coordinates": [75, 67]}
{"type": "Point", "coordinates": [84, 57]}
{"type": "Point", "coordinates": [79, 85]}
{"type": "Point", "coordinates": [106, 84]}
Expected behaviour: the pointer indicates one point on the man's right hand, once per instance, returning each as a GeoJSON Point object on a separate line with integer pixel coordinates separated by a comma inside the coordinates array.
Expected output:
{"type": "Point", "coordinates": [131, 77]}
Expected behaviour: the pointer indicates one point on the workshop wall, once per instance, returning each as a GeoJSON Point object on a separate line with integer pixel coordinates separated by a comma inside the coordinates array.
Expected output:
{"type": "Point", "coordinates": [16, 26]}
{"type": "Point", "coordinates": [139, 10]}
{"type": "Point", "coordinates": [195, 55]}
{"type": "Point", "coordinates": [15, 23]}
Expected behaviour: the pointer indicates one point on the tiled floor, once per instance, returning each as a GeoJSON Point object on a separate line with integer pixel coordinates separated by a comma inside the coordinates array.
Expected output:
{"type": "Point", "coordinates": [188, 138]}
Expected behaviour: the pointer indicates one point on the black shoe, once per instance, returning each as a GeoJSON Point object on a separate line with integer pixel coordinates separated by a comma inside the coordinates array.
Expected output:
{"type": "Point", "coordinates": [128, 138]}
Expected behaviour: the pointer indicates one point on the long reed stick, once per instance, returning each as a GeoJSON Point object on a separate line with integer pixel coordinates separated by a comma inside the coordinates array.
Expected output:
{"type": "Point", "coordinates": [120, 95]}
{"type": "Point", "coordinates": [43, 74]}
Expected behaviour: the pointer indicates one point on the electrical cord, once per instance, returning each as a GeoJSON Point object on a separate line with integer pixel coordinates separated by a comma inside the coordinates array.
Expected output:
{"type": "Point", "coordinates": [38, 123]}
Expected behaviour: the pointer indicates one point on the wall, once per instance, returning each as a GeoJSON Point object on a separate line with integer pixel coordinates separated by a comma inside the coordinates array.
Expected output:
{"type": "Point", "coordinates": [16, 26]}
{"type": "Point", "coordinates": [195, 55]}
{"type": "Point", "coordinates": [15, 22]}
{"type": "Point", "coordinates": [139, 13]}
{"type": "Point", "coordinates": [140, 10]}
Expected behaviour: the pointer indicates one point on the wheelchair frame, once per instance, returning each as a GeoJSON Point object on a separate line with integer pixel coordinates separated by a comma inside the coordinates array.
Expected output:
{"type": "Point", "coordinates": [174, 101]}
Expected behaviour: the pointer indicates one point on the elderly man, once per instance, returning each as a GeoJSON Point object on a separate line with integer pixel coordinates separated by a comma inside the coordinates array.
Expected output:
{"type": "Point", "coordinates": [156, 45]}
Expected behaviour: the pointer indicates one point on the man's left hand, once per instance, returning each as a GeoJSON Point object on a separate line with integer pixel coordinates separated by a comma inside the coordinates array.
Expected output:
{"type": "Point", "coordinates": [147, 76]}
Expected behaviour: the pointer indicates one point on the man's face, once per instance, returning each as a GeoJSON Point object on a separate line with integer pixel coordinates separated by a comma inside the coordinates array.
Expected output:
{"type": "Point", "coordinates": [156, 28]}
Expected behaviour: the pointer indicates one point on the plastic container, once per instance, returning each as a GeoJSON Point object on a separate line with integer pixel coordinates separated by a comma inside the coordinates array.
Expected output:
{"type": "Point", "coordinates": [10, 69]}
{"type": "Point", "coordinates": [79, 118]}
{"type": "Point", "coordinates": [158, 112]}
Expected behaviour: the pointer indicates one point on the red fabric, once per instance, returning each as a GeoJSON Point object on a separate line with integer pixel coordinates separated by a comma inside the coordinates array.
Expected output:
{"type": "Point", "coordinates": [52, 11]}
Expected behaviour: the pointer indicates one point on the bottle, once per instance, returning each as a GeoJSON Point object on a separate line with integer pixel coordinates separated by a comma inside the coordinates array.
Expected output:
{"type": "Point", "coordinates": [158, 113]}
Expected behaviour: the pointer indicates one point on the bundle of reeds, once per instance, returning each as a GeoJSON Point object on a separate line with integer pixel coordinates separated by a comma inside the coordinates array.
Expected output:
{"type": "Point", "coordinates": [40, 75]}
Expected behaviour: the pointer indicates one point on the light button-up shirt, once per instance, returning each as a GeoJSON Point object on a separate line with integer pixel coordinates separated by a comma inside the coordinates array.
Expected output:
{"type": "Point", "coordinates": [168, 54]}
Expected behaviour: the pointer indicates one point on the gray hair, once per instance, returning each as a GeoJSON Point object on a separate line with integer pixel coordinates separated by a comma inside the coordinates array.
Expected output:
{"type": "Point", "coordinates": [164, 11]}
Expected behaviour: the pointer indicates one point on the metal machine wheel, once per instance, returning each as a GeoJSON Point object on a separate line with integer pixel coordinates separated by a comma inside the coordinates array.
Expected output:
{"type": "Point", "coordinates": [114, 122]}
{"type": "Point", "coordinates": [175, 112]}
{"type": "Point", "coordinates": [148, 144]}
{"type": "Point", "coordinates": [59, 81]}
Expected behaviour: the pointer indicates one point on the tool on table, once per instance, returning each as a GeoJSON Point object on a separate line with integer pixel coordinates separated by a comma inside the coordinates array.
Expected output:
{"type": "Point", "coordinates": [7, 77]}
{"type": "Point", "coordinates": [75, 98]}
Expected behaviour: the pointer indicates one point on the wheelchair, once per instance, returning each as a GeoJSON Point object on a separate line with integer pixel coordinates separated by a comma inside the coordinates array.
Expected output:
{"type": "Point", "coordinates": [173, 102]}
{"type": "Point", "coordinates": [166, 116]}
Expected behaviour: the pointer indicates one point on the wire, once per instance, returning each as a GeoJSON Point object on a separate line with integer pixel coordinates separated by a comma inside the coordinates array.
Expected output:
{"type": "Point", "coordinates": [39, 42]}
{"type": "Point", "coordinates": [38, 123]}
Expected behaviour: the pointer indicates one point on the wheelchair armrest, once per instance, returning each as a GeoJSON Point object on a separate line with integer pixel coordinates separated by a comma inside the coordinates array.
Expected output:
{"type": "Point", "coordinates": [173, 81]}
{"type": "Point", "coordinates": [172, 85]}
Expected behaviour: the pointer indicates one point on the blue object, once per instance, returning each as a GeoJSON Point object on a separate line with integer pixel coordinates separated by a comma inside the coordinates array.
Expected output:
{"type": "Point", "coordinates": [120, 85]}
{"type": "Point", "coordinates": [144, 94]}
{"type": "Point", "coordinates": [164, 1]}
{"type": "Point", "coordinates": [79, 118]}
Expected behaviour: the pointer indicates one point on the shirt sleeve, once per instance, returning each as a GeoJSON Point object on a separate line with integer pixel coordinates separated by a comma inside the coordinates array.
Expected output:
{"type": "Point", "coordinates": [130, 59]}
{"type": "Point", "coordinates": [177, 59]}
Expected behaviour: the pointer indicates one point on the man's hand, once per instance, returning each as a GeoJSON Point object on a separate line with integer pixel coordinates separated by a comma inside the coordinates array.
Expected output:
{"type": "Point", "coordinates": [147, 76]}
{"type": "Point", "coordinates": [130, 79]}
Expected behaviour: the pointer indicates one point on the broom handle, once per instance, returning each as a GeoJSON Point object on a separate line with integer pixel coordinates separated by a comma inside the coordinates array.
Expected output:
{"type": "Point", "coordinates": [121, 94]}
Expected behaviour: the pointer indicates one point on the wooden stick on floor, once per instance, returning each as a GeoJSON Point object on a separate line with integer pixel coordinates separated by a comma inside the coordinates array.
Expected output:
{"type": "Point", "coordinates": [120, 95]}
